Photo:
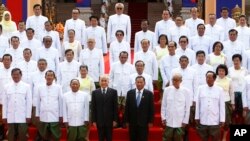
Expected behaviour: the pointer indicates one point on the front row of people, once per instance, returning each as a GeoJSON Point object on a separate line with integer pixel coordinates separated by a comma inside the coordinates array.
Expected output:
{"type": "Point", "coordinates": [52, 108]}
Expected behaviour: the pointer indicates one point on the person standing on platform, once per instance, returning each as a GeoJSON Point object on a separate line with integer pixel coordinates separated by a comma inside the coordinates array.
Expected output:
{"type": "Point", "coordinates": [76, 112]}
{"type": "Point", "coordinates": [139, 111]}
{"type": "Point", "coordinates": [119, 21]}
{"type": "Point", "coordinates": [37, 21]}
{"type": "Point", "coordinates": [175, 110]}
{"type": "Point", "coordinates": [96, 32]}
{"type": "Point", "coordinates": [21, 31]}
{"type": "Point", "coordinates": [104, 109]}
{"type": "Point", "coordinates": [145, 33]}
{"type": "Point", "coordinates": [17, 106]}
{"type": "Point", "coordinates": [49, 108]}
{"type": "Point", "coordinates": [213, 30]}
{"type": "Point", "coordinates": [192, 22]}
{"type": "Point", "coordinates": [243, 32]}
{"type": "Point", "coordinates": [77, 24]}
{"type": "Point", "coordinates": [226, 22]}
{"type": "Point", "coordinates": [210, 109]}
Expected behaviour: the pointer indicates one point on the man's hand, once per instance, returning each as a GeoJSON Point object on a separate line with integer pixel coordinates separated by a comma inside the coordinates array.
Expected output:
{"type": "Point", "coordinates": [233, 107]}
{"type": "Point", "coordinates": [164, 123]}
{"type": "Point", "coordinates": [86, 123]}
{"type": "Point", "coordinates": [60, 119]}
{"type": "Point", "coordinates": [221, 124]}
{"type": "Point", "coordinates": [150, 125]}
{"type": "Point", "coordinates": [94, 124]}
{"type": "Point", "coordinates": [5, 121]}
{"type": "Point", "coordinates": [114, 123]}
{"type": "Point", "coordinates": [197, 122]}
{"type": "Point", "coordinates": [66, 124]}
{"type": "Point", "coordinates": [183, 125]}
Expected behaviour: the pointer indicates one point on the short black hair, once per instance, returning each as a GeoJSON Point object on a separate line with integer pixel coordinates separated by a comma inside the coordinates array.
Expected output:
{"type": "Point", "coordinates": [121, 31]}
{"type": "Point", "coordinates": [84, 67]}
{"type": "Point", "coordinates": [27, 49]}
{"type": "Point", "coordinates": [145, 20]}
{"type": "Point", "coordinates": [50, 71]}
{"type": "Point", "coordinates": [216, 43]}
{"type": "Point", "coordinates": [30, 29]}
{"type": "Point", "coordinates": [243, 16]}
{"type": "Point", "coordinates": [200, 24]}
{"type": "Point", "coordinates": [68, 50]}
{"type": "Point", "coordinates": [139, 77]}
{"type": "Point", "coordinates": [237, 56]}
{"type": "Point", "coordinates": [175, 44]}
{"type": "Point", "coordinates": [214, 74]}
{"type": "Point", "coordinates": [138, 61]}
{"type": "Point", "coordinates": [222, 66]}
{"type": "Point", "coordinates": [183, 36]}
{"type": "Point", "coordinates": [37, 5]}
{"type": "Point", "coordinates": [42, 60]}
{"type": "Point", "coordinates": [233, 30]}
{"type": "Point", "coordinates": [50, 22]}
{"type": "Point", "coordinates": [200, 52]}
{"type": "Point", "coordinates": [7, 55]}
{"type": "Point", "coordinates": [93, 17]}
{"type": "Point", "coordinates": [224, 8]}
{"type": "Point", "coordinates": [14, 37]}
{"type": "Point", "coordinates": [163, 35]}
{"type": "Point", "coordinates": [123, 52]}
{"type": "Point", "coordinates": [183, 57]}
{"type": "Point", "coordinates": [16, 69]}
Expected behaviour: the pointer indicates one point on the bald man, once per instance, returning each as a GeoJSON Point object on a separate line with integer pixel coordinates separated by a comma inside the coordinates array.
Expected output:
{"type": "Point", "coordinates": [175, 117]}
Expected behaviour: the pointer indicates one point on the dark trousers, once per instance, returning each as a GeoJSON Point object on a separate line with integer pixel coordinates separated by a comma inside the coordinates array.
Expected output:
{"type": "Point", "coordinates": [17, 131]}
{"type": "Point", "coordinates": [105, 133]}
{"type": "Point", "coordinates": [206, 131]}
{"type": "Point", "coordinates": [138, 133]}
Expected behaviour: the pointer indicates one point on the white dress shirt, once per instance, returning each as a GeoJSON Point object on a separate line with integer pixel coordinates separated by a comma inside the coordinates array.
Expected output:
{"type": "Point", "coordinates": [75, 46]}
{"type": "Point", "coordinates": [189, 53]}
{"type": "Point", "coordinates": [201, 43]}
{"type": "Point", "coordinates": [98, 33]}
{"type": "Point", "coordinates": [140, 35]}
{"type": "Point", "coordinates": [34, 45]}
{"type": "Point", "coordinates": [238, 78]}
{"type": "Point", "coordinates": [148, 81]}
{"type": "Point", "coordinates": [189, 80]}
{"type": "Point", "coordinates": [192, 25]}
{"type": "Point", "coordinates": [52, 57]}
{"type": "Point", "coordinates": [118, 22]}
{"type": "Point", "coordinates": [201, 72]}
{"type": "Point", "coordinates": [75, 108]}
{"type": "Point", "coordinates": [36, 23]}
{"type": "Point", "coordinates": [95, 62]}
{"type": "Point", "coordinates": [5, 78]}
{"type": "Point", "coordinates": [27, 68]}
{"type": "Point", "coordinates": [116, 48]}
{"type": "Point", "coordinates": [244, 36]}
{"type": "Point", "coordinates": [17, 55]}
{"type": "Point", "coordinates": [49, 102]}
{"type": "Point", "coordinates": [56, 43]}
{"type": "Point", "coordinates": [167, 64]}
{"type": "Point", "coordinates": [79, 27]}
{"type": "Point", "coordinates": [176, 32]}
{"type": "Point", "coordinates": [149, 59]}
{"type": "Point", "coordinates": [17, 102]}
{"type": "Point", "coordinates": [227, 24]}
{"type": "Point", "coordinates": [67, 72]}
{"type": "Point", "coordinates": [119, 77]}
{"type": "Point", "coordinates": [215, 32]}
{"type": "Point", "coordinates": [162, 27]}
{"type": "Point", "coordinates": [210, 105]}
{"type": "Point", "coordinates": [37, 79]}
{"type": "Point", "coordinates": [231, 48]}
{"type": "Point", "coordinates": [175, 108]}
{"type": "Point", "coordinates": [21, 35]}
{"type": "Point", "coordinates": [4, 44]}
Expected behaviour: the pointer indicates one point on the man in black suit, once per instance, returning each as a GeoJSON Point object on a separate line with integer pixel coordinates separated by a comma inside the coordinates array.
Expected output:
{"type": "Point", "coordinates": [139, 111]}
{"type": "Point", "coordinates": [104, 109]}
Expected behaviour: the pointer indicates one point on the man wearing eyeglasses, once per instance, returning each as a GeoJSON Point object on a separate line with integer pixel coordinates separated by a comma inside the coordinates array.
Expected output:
{"type": "Point", "coordinates": [119, 21]}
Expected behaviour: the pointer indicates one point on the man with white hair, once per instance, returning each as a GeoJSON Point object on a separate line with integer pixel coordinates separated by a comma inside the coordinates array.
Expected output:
{"type": "Point", "coordinates": [119, 21]}
{"type": "Point", "coordinates": [77, 24]}
{"type": "Point", "coordinates": [175, 118]}
{"type": "Point", "coordinates": [192, 22]}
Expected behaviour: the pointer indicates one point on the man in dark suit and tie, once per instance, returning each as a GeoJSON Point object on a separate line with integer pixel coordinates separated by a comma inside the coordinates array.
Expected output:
{"type": "Point", "coordinates": [104, 109]}
{"type": "Point", "coordinates": [139, 111]}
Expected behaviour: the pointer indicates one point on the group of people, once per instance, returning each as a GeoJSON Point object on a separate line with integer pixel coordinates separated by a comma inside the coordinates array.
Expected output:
{"type": "Point", "coordinates": [201, 71]}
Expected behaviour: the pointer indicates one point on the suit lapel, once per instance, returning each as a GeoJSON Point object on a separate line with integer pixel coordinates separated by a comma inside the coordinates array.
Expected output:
{"type": "Point", "coordinates": [142, 99]}
{"type": "Point", "coordinates": [107, 95]}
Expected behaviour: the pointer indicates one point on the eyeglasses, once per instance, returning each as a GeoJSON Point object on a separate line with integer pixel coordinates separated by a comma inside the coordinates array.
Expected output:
{"type": "Point", "coordinates": [119, 8]}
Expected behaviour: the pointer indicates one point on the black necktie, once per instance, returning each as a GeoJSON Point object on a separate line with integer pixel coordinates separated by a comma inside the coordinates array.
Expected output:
{"type": "Point", "coordinates": [103, 91]}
